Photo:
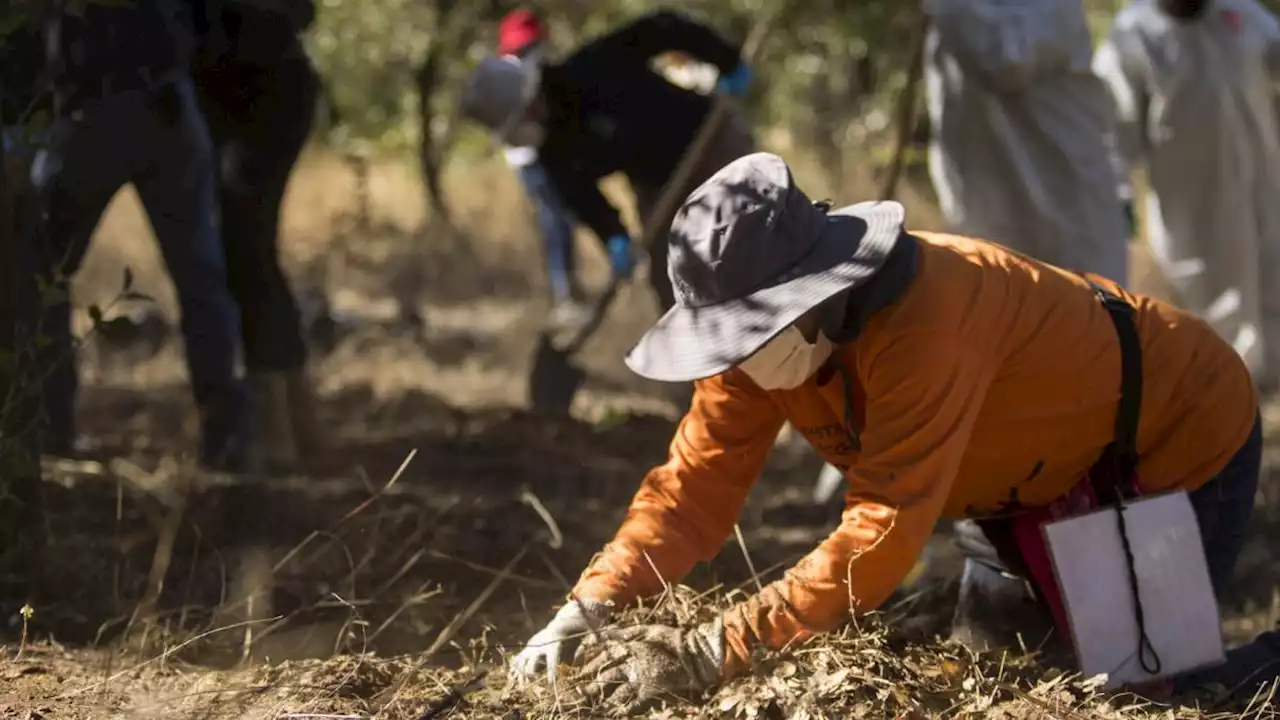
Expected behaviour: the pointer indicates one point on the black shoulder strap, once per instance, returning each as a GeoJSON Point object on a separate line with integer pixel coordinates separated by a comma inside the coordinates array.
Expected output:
{"type": "Point", "coordinates": [1122, 454]}
{"type": "Point", "coordinates": [1113, 474]}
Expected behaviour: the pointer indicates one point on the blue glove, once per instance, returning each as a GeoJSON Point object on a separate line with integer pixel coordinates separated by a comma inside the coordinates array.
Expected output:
{"type": "Point", "coordinates": [736, 82]}
{"type": "Point", "coordinates": [20, 143]}
{"type": "Point", "coordinates": [1130, 219]}
{"type": "Point", "coordinates": [620, 259]}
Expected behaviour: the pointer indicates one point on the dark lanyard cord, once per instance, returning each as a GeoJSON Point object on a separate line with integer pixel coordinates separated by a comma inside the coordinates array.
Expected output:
{"type": "Point", "coordinates": [1147, 656]}
{"type": "Point", "coordinates": [1123, 454]}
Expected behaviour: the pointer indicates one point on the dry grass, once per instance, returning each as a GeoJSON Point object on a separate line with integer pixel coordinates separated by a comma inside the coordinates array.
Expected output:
{"type": "Point", "coordinates": [400, 595]}
{"type": "Point", "coordinates": [868, 671]}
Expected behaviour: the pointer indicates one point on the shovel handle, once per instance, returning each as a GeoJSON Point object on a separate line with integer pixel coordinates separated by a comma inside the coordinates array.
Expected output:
{"type": "Point", "coordinates": [906, 111]}
{"type": "Point", "coordinates": [673, 192]}
{"type": "Point", "coordinates": [598, 310]}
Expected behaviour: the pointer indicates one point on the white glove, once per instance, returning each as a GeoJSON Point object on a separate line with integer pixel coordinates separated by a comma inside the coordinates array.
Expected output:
{"type": "Point", "coordinates": [574, 621]}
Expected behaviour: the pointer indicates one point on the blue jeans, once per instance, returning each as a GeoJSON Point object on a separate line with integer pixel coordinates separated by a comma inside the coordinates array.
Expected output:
{"type": "Point", "coordinates": [1223, 508]}
{"type": "Point", "coordinates": [158, 141]}
{"type": "Point", "coordinates": [556, 225]}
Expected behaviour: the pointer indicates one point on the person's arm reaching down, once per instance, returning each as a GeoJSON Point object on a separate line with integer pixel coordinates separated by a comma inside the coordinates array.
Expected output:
{"type": "Point", "coordinates": [923, 399]}
{"type": "Point", "coordinates": [1009, 44]}
{"type": "Point", "coordinates": [670, 30]}
{"type": "Point", "coordinates": [683, 513]}
{"type": "Point", "coordinates": [686, 508]}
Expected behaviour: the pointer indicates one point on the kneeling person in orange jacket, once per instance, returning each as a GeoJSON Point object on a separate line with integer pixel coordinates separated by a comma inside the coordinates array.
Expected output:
{"type": "Point", "coordinates": [945, 376]}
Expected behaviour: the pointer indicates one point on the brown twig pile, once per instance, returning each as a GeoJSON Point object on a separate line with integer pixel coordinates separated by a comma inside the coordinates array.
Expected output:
{"type": "Point", "coordinates": [861, 672]}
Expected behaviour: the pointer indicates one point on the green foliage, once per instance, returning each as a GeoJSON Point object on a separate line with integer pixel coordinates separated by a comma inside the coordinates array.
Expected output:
{"type": "Point", "coordinates": [828, 72]}
{"type": "Point", "coordinates": [11, 19]}
{"type": "Point", "coordinates": [367, 53]}
{"type": "Point", "coordinates": [812, 75]}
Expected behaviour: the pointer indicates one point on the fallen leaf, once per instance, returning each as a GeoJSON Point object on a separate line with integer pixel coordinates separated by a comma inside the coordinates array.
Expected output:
{"type": "Point", "coordinates": [952, 669]}
{"type": "Point", "coordinates": [730, 703]}
{"type": "Point", "coordinates": [1094, 683]}
{"type": "Point", "coordinates": [833, 681]}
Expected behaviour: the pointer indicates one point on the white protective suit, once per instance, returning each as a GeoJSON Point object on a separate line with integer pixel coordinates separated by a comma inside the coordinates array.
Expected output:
{"type": "Point", "coordinates": [1194, 102]}
{"type": "Point", "coordinates": [1019, 130]}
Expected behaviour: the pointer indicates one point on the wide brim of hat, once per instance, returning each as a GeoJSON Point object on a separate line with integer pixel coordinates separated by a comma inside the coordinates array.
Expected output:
{"type": "Point", "coordinates": [688, 344]}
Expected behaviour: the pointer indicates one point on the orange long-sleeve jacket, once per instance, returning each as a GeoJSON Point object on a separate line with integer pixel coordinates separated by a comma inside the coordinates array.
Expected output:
{"type": "Point", "coordinates": [992, 382]}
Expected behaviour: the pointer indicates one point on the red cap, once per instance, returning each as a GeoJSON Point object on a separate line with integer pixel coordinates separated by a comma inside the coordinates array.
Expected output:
{"type": "Point", "coordinates": [518, 30]}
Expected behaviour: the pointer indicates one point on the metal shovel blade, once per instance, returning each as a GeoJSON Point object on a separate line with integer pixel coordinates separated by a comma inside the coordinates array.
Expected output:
{"type": "Point", "coordinates": [555, 379]}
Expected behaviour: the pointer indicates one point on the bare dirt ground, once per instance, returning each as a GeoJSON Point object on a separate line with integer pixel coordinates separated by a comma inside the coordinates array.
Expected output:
{"type": "Point", "coordinates": [397, 591]}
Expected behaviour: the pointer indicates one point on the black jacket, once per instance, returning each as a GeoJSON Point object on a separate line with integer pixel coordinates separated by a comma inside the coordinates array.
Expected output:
{"type": "Point", "coordinates": [21, 71]}
{"type": "Point", "coordinates": [252, 72]}
{"type": "Point", "coordinates": [253, 33]}
{"type": "Point", "coordinates": [609, 111]}
{"type": "Point", "coordinates": [121, 48]}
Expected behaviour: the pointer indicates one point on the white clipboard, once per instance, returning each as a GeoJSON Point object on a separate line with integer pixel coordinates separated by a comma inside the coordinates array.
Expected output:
{"type": "Point", "coordinates": [1180, 609]}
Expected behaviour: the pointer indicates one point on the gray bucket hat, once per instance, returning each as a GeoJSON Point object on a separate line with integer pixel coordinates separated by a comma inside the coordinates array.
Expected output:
{"type": "Point", "coordinates": [498, 92]}
{"type": "Point", "coordinates": [749, 254]}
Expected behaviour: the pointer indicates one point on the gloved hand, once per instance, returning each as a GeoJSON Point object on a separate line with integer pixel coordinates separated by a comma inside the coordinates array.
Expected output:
{"type": "Point", "coordinates": [21, 143]}
{"type": "Point", "coordinates": [620, 258]}
{"type": "Point", "coordinates": [1129, 217]}
{"type": "Point", "coordinates": [574, 621]}
{"type": "Point", "coordinates": [736, 82]}
{"type": "Point", "coordinates": [636, 667]}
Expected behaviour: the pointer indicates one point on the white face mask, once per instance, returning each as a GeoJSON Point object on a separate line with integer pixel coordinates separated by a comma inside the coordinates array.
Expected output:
{"type": "Point", "coordinates": [526, 133]}
{"type": "Point", "coordinates": [787, 360]}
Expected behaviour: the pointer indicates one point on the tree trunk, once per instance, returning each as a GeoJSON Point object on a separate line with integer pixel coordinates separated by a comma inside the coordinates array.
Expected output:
{"type": "Point", "coordinates": [454, 34]}
{"type": "Point", "coordinates": [21, 510]}
{"type": "Point", "coordinates": [431, 152]}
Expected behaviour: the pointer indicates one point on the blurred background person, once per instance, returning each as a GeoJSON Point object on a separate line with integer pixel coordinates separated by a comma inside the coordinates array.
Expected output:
{"type": "Point", "coordinates": [605, 109]}
{"type": "Point", "coordinates": [1192, 82]}
{"type": "Point", "coordinates": [259, 91]}
{"type": "Point", "coordinates": [1018, 153]}
{"type": "Point", "coordinates": [522, 35]}
{"type": "Point", "coordinates": [126, 113]}
{"type": "Point", "coordinates": [1018, 157]}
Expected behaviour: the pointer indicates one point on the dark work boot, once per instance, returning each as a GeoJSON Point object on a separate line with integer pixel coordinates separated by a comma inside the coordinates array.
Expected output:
{"type": "Point", "coordinates": [996, 608]}
{"type": "Point", "coordinates": [275, 445]}
{"type": "Point", "coordinates": [309, 437]}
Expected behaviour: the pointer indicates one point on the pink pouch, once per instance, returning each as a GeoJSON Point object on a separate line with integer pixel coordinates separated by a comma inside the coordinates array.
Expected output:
{"type": "Point", "coordinates": [1029, 536]}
